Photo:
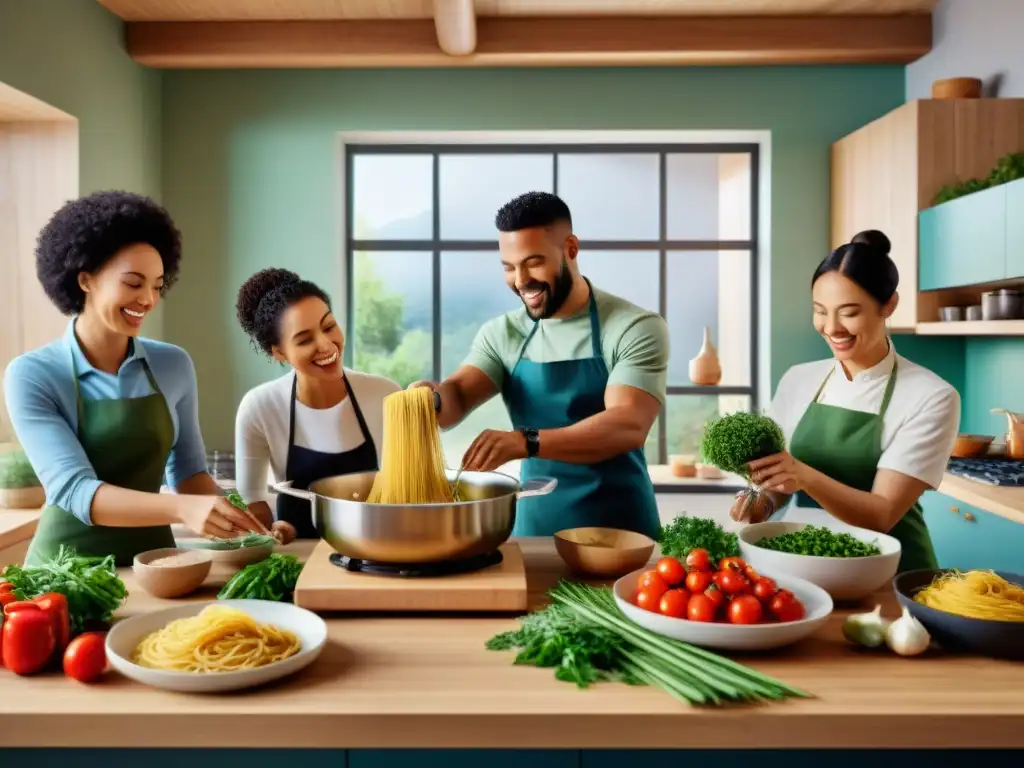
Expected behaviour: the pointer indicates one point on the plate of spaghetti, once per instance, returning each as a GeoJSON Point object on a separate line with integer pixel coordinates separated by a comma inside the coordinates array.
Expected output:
{"type": "Point", "coordinates": [210, 647]}
{"type": "Point", "coordinates": [976, 611]}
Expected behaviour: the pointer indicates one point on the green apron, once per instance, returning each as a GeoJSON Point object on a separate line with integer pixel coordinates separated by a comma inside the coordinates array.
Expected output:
{"type": "Point", "coordinates": [128, 442]}
{"type": "Point", "coordinates": [846, 445]}
{"type": "Point", "coordinates": [615, 493]}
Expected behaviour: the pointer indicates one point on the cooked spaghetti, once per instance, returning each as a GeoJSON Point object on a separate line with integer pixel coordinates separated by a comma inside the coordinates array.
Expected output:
{"type": "Point", "coordinates": [218, 639]}
{"type": "Point", "coordinates": [974, 595]}
{"type": "Point", "coordinates": [412, 469]}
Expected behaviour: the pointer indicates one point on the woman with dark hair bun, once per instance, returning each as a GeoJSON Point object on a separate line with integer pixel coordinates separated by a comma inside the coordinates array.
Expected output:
{"type": "Point", "coordinates": [868, 431]}
{"type": "Point", "coordinates": [105, 415]}
{"type": "Point", "coordinates": [315, 421]}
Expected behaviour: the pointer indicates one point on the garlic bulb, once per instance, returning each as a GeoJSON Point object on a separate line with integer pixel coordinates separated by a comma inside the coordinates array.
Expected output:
{"type": "Point", "coordinates": [867, 629]}
{"type": "Point", "coordinates": [906, 636]}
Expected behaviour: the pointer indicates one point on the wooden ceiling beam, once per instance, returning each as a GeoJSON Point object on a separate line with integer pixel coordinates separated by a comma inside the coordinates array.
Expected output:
{"type": "Point", "coordinates": [510, 42]}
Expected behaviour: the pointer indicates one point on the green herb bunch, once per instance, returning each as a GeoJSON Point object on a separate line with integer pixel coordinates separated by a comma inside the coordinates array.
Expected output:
{"type": "Point", "coordinates": [1008, 168]}
{"type": "Point", "coordinates": [731, 442]}
{"type": "Point", "coordinates": [16, 471]}
{"type": "Point", "coordinates": [685, 533]}
{"type": "Point", "coordinates": [271, 579]}
{"type": "Point", "coordinates": [819, 541]}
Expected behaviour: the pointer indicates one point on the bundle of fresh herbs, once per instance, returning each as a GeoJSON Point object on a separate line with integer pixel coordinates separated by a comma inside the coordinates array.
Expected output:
{"type": "Point", "coordinates": [271, 579]}
{"type": "Point", "coordinates": [684, 534]}
{"type": "Point", "coordinates": [585, 638]}
{"type": "Point", "coordinates": [91, 585]}
{"type": "Point", "coordinates": [731, 442]}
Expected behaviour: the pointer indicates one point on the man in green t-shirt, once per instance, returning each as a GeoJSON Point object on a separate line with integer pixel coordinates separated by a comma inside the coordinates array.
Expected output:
{"type": "Point", "coordinates": [582, 373]}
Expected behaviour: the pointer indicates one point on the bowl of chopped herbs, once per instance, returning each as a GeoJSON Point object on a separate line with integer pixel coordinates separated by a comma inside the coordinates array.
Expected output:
{"type": "Point", "coordinates": [847, 562]}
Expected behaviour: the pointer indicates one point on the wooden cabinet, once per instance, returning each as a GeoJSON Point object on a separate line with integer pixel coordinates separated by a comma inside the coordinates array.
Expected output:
{"type": "Point", "coordinates": [963, 242]}
{"type": "Point", "coordinates": [887, 172]}
{"type": "Point", "coordinates": [966, 537]}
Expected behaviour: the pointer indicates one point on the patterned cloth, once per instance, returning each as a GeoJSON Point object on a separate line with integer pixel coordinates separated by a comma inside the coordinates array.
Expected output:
{"type": "Point", "coordinates": [989, 471]}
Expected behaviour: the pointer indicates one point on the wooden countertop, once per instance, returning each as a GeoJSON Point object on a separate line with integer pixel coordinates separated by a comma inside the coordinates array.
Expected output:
{"type": "Point", "coordinates": [1004, 501]}
{"type": "Point", "coordinates": [412, 681]}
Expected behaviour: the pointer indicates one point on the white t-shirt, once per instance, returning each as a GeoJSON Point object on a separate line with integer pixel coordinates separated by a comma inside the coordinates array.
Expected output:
{"type": "Point", "coordinates": [919, 428]}
{"type": "Point", "coordinates": [262, 421]}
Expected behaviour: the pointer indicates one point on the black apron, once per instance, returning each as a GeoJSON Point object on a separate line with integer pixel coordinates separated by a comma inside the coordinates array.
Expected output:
{"type": "Point", "coordinates": [305, 466]}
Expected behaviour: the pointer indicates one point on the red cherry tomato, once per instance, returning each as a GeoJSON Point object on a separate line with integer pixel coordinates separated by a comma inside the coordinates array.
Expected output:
{"type": "Point", "coordinates": [751, 574]}
{"type": "Point", "coordinates": [649, 599]}
{"type": "Point", "coordinates": [651, 578]}
{"type": "Point", "coordinates": [6, 586]}
{"type": "Point", "coordinates": [671, 570]}
{"type": "Point", "coordinates": [787, 607]}
{"type": "Point", "coordinates": [715, 595]}
{"type": "Point", "coordinates": [698, 560]}
{"type": "Point", "coordinates": [698, 581]}
{"type": "Point", "coordinates": [764, 589]}
{"type": "Point", "coordinates": [86, 657]}
{"type": "Point", "coordinates": [700, 608]}
{"type": "Point", "coordinates": [744, 609]}
{"type": "Point", "coordinates": [673, 603]}
{"type": "Point", "coordinates": [732, 583]}
{"type": "Point", "coordinates": [732, 563]}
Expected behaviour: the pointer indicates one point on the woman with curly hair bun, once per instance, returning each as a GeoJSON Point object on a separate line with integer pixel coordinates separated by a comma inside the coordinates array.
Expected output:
{"type": "Point", "coordinates": [103, 414]}
{"type": "Point", "coordinates": [315, 421]}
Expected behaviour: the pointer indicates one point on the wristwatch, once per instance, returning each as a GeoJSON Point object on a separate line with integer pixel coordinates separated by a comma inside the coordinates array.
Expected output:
{"type": "Point", "coordinates": [532, 441]}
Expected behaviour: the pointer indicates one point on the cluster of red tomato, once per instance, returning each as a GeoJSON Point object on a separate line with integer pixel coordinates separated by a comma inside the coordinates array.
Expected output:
{"type": "Point", "coordinates": [732, 592]}
{"type": "Point", "coordinates": [35, 635]}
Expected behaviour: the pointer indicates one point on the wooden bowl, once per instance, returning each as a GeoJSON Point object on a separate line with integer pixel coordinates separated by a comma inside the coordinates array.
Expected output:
{"type": "Point", "coordinates": [957, 88]}
{"type": "Point", "coordinates": [603, 551]}
{"type": "Point", "coordinates": [970, 446]}
{"type": "Point", "coordinates": [171, 580]}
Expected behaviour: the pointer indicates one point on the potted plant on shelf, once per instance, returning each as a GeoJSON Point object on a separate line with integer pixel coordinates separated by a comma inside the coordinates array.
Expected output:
{"type": "Point", "coordinates": [19, 486]}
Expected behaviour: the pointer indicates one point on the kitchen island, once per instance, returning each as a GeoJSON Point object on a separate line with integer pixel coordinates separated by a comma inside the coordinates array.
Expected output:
{"type": "Point", "coordinates": [428, 682]}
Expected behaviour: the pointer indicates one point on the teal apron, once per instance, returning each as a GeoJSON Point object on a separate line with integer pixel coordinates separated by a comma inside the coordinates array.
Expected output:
{"type": "Point", "coordinates": [128, 442]}
{"type": "Point", "coordinates": [616, 493]}
{"type": "Point", "coordinates": [846, 445]}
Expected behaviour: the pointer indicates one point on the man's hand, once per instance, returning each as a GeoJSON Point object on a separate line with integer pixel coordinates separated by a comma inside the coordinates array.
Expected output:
{"type": "Point", "coordinates": [492, 448]}
{"type": "Point", "coordinates": [424, 383]}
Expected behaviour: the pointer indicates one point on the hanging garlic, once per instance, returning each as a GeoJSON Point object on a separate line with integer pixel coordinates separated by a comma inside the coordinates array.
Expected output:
{"type": "Point", "coordinates": [867, 629]}
{"type": "Point", "coordinates": [907, 636]}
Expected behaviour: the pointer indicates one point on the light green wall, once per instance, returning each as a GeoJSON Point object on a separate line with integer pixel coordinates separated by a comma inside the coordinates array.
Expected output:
{"type": "Point", "coordinates": [249, 171]}
{"type": "Point", "coordinates": [70, 54]}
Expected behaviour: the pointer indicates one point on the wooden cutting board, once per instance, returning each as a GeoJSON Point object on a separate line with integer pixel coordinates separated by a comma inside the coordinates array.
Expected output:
{"type": "Point", "coordinates": [324, 586]}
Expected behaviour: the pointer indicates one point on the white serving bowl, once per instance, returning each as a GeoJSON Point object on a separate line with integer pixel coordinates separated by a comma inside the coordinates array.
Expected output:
{"type": "Point", "coordinates": [732, 637]}
{"type": "Point", "coordinates": [844, 578]}
{"type": "Point", "coordinates": [126, 634]}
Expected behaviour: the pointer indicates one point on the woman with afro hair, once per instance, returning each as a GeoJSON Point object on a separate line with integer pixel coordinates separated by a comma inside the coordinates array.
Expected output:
{"type": "Point", "coordinates": [105, 415]}
{"type": "Point", "coordinates": [315, 421]}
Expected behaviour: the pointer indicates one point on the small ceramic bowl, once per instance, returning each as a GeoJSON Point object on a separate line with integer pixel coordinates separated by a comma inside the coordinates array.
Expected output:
{"type": "Point", "coordinates": [603, 552]}
{"type": "Point", "coordinates": [234, 558]}
{"type": "Point", "coordinates": [970, 446]}
{"type": "Point", "coordinates": [171, 580]}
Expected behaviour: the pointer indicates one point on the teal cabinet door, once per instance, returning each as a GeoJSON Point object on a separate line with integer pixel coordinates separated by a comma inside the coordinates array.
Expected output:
{"type": "Point", "coordinates": [463, 758]}
{"type": "Point", "coordinates": [1015, 229]}
{"type": "Point", "coordinates": [963, 242]}
{"type": "Point", "coordinates": [966, 537]}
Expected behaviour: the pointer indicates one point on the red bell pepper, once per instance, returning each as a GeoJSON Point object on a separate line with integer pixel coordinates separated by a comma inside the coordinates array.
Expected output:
{"type": "Point", "coordinates": [55, 605]}
{"type": "Point", "coordinates": [28, 638]}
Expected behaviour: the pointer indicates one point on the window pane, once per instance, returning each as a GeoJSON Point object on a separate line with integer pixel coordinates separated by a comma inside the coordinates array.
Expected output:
{"type": "Point", "coordinates": [611, 197]}
{"type": "Point", "coordinates": [456, 441]}
{"type": "Point", "coordinates": [392, 197]}
{"type": "Point", "coordinates": [633, 275]}
{"type": "Point", "coordinates": [473, 291]}
{"type": "Point", "coordinates": [709, 288]}
{"type": "Point", "coordinates": [651, 449]}
{"type": "Point", "coordinates": [474, 187]}
{"type": "Point", "coordinates": [687, 415]}
{"type": "Point", "coordinates": [393, 305]}
{"type": "Point", "coordinates": [708, 196]}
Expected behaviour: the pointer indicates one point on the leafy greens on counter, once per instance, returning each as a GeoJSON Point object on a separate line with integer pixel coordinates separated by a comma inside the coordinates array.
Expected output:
{"type": "Point", "coordinates": [686, 533]}
{"type": "Point", "coordinates": [271, 579]}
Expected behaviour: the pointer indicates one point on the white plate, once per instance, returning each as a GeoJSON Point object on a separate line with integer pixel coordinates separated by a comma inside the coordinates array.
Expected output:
{"type": "Point", "coordinates": [733, 637]}
{"type": "Point", "coordinates": [126, 634]}
{"type": "Point", "coordinates": [845, 578]}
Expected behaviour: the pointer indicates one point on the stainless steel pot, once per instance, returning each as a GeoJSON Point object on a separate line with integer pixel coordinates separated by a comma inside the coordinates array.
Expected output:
{"type": "Point", "coordinates": [416, 533]}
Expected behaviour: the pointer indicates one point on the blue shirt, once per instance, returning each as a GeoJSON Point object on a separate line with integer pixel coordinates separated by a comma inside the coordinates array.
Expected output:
{"type": "Point", "coordinates": [39, 388]}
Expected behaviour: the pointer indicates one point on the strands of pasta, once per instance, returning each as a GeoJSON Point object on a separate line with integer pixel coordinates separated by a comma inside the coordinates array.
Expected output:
{"type": "Point", "coordinates": [412, 467]}
{"type": "Point", "coordinates": [975, 595]}
{"type": "Point", "coordinates": [218, 639]}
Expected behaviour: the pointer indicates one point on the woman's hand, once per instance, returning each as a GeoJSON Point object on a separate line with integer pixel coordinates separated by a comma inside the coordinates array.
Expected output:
{"type": "Point", "coordinates": [779, 473]}
{"type": "Point", "coordinates": [215, 516]}
{"type": "Point", "coordinates": [751, 508]}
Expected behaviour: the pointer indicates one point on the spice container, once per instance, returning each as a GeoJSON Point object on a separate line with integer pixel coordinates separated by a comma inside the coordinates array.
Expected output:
{"type": "Point", "coordinates": [951, 314]}
{"type": "Point", "coordinates": [1010, 304]}
{"type": "Point", "coordinates": [990, 306]}
{"type": "Point", "coordinates": [974, 312]}
{"type": "Point", "coordinates": [683, 466]}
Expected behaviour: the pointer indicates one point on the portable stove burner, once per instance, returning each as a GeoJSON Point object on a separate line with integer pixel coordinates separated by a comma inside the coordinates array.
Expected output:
{"type": "Point", "coordinates": [418, 570]}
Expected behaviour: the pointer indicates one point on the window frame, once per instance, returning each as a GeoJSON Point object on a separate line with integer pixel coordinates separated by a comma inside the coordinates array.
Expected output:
{"type": "Point", "coordinates": [712, 143]}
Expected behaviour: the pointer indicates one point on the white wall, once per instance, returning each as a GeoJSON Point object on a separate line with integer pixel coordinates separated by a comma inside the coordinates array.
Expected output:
{"type": "Point", "coordinates": [974, 38]}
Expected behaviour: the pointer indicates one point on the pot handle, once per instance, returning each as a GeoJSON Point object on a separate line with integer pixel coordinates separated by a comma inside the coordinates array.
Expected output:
{"type": "Point", "coordinates": [287, 490]}
{"type": "Point", "coordinates": [540, 486]}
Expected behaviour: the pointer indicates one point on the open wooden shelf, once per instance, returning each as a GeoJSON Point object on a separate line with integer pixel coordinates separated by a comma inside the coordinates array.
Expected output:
{"type": "Point", "coordinates": [973, 328]}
